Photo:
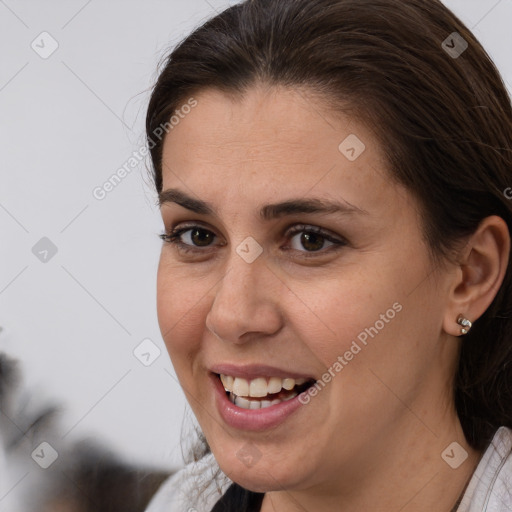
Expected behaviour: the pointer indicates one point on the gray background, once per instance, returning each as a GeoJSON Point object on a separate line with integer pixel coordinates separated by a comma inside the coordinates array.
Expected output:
{"type": "Point", "coordinates": [67, 123]}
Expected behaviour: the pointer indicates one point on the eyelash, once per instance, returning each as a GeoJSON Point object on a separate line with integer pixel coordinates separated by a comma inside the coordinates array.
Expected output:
{"type": "Point", "coordinates": [173, 238]}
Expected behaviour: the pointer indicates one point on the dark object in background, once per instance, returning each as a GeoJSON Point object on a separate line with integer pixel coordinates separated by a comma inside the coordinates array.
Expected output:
{"type": "Point", "coordinates": [97, 481]}
{"type": "Point", "coordinates": [86, 477]}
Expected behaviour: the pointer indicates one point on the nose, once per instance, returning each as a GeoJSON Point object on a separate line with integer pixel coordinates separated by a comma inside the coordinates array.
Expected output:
{"type": "Point", "coordinates": [246, 302]}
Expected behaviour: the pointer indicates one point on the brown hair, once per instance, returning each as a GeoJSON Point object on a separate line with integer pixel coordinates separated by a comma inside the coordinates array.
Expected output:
{"type": "Point", "coordinates": [444, 122]}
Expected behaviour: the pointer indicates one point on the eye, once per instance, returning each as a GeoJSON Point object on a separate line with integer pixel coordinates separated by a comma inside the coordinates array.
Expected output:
{"type": "Point", "coordinates": [187, 238]}
{"type": "Point", "coordinates": [313, 239]}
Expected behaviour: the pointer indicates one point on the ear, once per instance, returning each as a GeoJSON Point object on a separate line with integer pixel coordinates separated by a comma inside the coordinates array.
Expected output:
{"type": "Point", "coordinates": [482, 267]}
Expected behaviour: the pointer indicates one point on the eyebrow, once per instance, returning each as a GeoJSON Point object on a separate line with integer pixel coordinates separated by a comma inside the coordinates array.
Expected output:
{"type": "Point", "coordinates": [269, 211]}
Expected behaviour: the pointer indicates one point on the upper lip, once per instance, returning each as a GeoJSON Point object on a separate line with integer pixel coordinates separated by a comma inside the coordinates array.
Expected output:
{"type": "Point", "coordinates": [252, 371]}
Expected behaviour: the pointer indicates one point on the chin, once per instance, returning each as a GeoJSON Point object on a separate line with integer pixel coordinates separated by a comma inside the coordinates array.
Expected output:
{"type": "Point", "coordinates": [262, 476]}
{"type": "Point", "coordinates": [260, 483]}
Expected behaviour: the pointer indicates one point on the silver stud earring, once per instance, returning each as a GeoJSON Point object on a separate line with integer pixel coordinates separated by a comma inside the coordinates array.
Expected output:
{"type": "Point", "coordinates": [464, 323]}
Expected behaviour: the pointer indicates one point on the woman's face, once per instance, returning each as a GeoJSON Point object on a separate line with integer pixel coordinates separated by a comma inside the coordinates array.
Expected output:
{"type": "Point", "coordinates": [300, 259]}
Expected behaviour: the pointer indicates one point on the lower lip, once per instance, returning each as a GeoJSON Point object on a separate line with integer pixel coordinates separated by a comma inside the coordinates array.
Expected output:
{"type": "Point", "coordinates": [252, 419]}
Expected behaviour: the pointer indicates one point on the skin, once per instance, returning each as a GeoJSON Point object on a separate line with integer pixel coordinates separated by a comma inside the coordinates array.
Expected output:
{"type": "Point", "coordinates": [372, 439]}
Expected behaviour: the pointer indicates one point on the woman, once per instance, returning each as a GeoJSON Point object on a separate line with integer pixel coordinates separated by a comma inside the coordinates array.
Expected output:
{"type": "Point", "coordinates": [334, 288]}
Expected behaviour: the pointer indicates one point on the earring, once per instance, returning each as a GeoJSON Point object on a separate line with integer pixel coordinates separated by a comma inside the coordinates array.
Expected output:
{"type": "Point", "coordinates": [465, 323]}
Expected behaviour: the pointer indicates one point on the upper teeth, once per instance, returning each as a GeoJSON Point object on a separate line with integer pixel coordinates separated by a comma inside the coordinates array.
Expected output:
{"type": "Point", "coordinates": [258, 387]}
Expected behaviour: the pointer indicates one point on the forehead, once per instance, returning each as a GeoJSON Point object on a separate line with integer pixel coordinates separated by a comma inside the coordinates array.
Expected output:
{"type": "Point", "coordinates": [266, 121]}
{"type": "Point", "coordinates": [272, 141]}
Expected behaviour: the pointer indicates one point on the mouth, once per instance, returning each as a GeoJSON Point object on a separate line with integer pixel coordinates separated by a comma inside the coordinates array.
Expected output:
{"type": "Point", "coordinates": [262, 392]}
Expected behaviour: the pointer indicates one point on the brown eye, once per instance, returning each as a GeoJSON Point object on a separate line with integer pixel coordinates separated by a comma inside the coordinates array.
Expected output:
{"type": "Point", "coordinates": [200, 237]}
{"type": "Point", "coordinates": [312, 241]}
{"type": "Point", "coordinates": [189, 238]}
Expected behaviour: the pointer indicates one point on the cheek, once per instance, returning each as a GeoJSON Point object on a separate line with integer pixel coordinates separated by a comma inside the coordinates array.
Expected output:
{"type": "Point", "coordinates": [355, 322]}
{"type": "Point", "coordinates": [334, 312]}
{"type": "Point", "coordinates": [383, 333]}
{"type": "Point", "coordinates": [179, 312]}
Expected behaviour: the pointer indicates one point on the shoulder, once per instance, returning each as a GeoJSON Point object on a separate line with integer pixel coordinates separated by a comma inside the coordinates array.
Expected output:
{"type": "Point", "coordinates": [499, 476]}
{"type": "Point", "coordinates": [194, 488]}
{"type": "Point", "coordinates": [490, 487]}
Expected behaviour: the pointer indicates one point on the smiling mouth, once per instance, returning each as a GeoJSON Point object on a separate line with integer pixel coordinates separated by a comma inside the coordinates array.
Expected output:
{"type": "Point", "coordinates": [262, 392]}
